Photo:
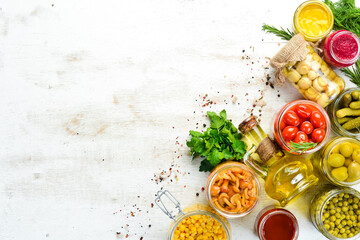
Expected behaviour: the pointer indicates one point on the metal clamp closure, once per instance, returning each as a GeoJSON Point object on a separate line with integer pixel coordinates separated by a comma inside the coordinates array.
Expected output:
{"type": "Point", "coordinates": [162, 206]}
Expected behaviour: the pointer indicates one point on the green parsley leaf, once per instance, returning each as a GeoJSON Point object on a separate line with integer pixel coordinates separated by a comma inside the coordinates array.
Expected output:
{"type": "Point", "coordinates": [218, 143]}
{"type": "Point", "coordinates": [205, 166]}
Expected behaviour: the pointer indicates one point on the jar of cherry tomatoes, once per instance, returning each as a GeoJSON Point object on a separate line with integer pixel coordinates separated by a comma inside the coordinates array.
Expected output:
{"type": "Point", "coordinates": [276, 224]}
{"type": "Point", "coordinates": [301, 127]}
{"type": "Point", "coordinates": [341, 48]}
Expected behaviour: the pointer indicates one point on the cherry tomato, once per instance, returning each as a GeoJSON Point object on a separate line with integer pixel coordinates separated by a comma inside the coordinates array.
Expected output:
{"type": "Point", "coordinates": [282, 125]}
{"type": "Point", "coordinates": [290, 118]}
{"type": "Point", "coordinates": [301, 137]}
{"type": "Point", "coordinates": [303, 111]}
{"type": "Point", "coordinates": [317, 119]}
{"type": "Point", "coordinates": [306, 127]}
{"type": "Point", "coordinates": [289, 133]}
{"type": "Point", "coordinates": [318, 135]}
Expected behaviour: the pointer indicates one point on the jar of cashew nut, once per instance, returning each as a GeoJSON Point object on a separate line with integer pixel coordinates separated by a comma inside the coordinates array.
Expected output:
{"type": "Point", "coordinates": [306, 71]}
{"type": "Point", "coordinates": [233, 189]}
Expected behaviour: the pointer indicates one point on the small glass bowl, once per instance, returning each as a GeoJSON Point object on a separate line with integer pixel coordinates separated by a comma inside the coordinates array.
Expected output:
{"type": "Point", "coordinates": [328, 49]}
{"type": "Point", "coordinates": [182, 214]}
{"type": "Point", "coordinates": [323, 164]}
{"type": "Point", "coordinates": [318, 204]}
{"type": "Point", "coordinates": [213, 177]}
{"type": "Point", "coordinates": [279, 117]}
{"type": "Point", "coordinates": [270, 211]}
{"type": "Point", "coordinates": [333, 108]}
{"type": "Point", "coordinates": [181, 218]}
{"type": "Point", "coordinates": [296, 24]}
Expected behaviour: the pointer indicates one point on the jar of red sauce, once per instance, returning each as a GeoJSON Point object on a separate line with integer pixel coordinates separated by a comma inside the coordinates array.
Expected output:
{"type": "Point", "coordinates": [276, 224]}
{"type": "Point", "coordinates": [341, 48]}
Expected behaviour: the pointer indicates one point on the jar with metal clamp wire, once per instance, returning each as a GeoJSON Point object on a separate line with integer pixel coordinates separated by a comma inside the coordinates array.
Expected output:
{"type": "Point", "coordinates": [195, 222]}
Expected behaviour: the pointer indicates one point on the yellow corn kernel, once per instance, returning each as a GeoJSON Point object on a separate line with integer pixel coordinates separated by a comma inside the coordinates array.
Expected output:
{"type": "Point", "coordinates": [199, 227]}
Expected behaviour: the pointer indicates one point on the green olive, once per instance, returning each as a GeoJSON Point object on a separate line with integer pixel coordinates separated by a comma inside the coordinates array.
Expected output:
{"type": "Point", "coordinates": [348, 161]}
{"type": "Point", "coordinates": [336, 160]}
{"type": "Point", "coordinates": [356, 155]}
{"type": "Point", "coordinates": [340, 173]}
{"type": "Point", "coordinates": [354, 171]}
{"type": "Point", "coordinates": [346, 149]}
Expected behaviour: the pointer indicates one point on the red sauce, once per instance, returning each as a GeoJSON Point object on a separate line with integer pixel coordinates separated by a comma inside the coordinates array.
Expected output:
{"type": "Point", "coordinates": [279, 227]}
{"type": "Point", "coordinates": [345, 47]}
{"type": "Point", "coordinates": [277, 224]}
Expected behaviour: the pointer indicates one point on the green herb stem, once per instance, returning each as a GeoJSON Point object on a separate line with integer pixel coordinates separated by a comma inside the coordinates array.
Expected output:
{"type": "Point", "coordinates": [301, 147]}
{"type": "Point", "coordinates": [282, 33]}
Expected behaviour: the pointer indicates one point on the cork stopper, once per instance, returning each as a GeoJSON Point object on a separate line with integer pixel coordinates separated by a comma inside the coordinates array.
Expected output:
{"type": "Point", "coordinates": [266, 149]}
{"type": "Point", "coordinates": [248, 124]}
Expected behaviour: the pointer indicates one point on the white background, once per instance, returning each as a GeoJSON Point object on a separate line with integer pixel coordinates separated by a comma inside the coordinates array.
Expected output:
{"type": "Point", "coordinates": [98, 96]}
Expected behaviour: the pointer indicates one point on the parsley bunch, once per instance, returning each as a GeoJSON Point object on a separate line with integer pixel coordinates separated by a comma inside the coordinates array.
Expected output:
{"type": "Point", "coordinates": [220, 142]}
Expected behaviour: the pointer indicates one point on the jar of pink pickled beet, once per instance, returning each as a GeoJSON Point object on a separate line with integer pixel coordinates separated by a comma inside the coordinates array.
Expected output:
{"type": "Point", "coordinates": [341, 48]}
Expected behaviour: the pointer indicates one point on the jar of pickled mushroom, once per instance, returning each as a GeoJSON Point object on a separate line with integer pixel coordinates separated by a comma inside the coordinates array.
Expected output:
{"type": "Point", "coordinates": [344, 113]}
{"type": "Point", "coordinates": [335, 212]}
{"type": "Point", "coordinates": [274, 223]}
{"type": "Point", "coordinates": [339, 161]}
{"type": "Point", "coordinates": [314, 20]}
{"type": "Point", "coordinates": [233, 189]}
{"type": "Point", "coordinates": [341, 49]}
{"type": "Point", "coordinates": [196, 222]}
{"type": "Point", "coordinates": [286, 176]}
{"type": "Point", "coordinates": [308, 73]}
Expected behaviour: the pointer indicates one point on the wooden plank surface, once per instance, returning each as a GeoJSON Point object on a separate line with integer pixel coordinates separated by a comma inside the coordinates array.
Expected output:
{"type": "Point", "coordinates": [97, 98]}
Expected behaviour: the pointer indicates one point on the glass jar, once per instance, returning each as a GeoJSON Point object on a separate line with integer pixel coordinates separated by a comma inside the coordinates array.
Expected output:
{"type": "Point", "coordinates": [344, 161]}
{"type": "Point", "coordinates": [341, 48]}
{"type": "Point", "coordinates": [286, 176]}
{"type": "Point", "coordinates": [278, 125]}
{"type": "Point", "coordinates": [314, 79]}
{"type": "Point", "coordinates": [276, 223]}
{"type": "Point", "coordinates": [195, 212]}
{"type": "Point", "coordinates": [314, 20]}
{"type": "Point", "coordinates": [336, 105]}
{"type": "Point", "coordinates": [319, 214]}
{"type": "Point", "coordinates": [233, 189]}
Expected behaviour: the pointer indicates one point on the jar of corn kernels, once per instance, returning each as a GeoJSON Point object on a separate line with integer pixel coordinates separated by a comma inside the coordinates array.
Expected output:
{"type": "Point", "coordinates": [195, 222]}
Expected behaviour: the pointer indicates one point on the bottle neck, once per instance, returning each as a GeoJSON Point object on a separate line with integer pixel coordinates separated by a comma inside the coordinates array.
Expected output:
{"type": "Point", "coordinates": [268, 153]}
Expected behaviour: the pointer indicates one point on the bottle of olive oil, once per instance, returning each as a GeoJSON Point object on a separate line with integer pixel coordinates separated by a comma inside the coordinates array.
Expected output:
{"type": "Point", "coordinates": [286, 176]}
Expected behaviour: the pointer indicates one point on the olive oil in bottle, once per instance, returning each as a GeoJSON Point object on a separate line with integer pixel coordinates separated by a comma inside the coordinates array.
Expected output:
{"type": "Point", "coordinates": [286, 176]}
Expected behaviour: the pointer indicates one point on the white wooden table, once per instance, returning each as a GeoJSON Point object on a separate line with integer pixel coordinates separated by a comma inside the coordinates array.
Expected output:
{"type": "Point", "coordinates": [97, 97]}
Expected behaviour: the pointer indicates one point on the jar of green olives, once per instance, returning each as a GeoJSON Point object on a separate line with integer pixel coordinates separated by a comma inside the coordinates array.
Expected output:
{"type": "Point", "coordinates": [344, 113]}
{"type": "Point", "coordinates": [335, 212]}
{"type": "Point", "coordinates": [339, 161]}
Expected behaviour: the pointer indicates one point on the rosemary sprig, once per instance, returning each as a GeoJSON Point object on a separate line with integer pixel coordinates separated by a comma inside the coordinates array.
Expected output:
{"type": "Point", "coordinates": [353, 73]}
{"type": "Point", "coordinates": [302, 147]}
{"type": "Point", "coordinates": [284, 34]}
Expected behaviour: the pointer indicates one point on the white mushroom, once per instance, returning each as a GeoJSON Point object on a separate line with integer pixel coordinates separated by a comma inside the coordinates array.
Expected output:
{"type": "Point", "coordinates": [312, 75]}
{"type": "Point", "coordinates": [304, 83]}
{"type": "Point", "coordinates": [323, 100]}
{"type": "Point", "coordinates": [320, 84]}
{"type": "Point", "coordinates": [293, 76]}
{"type": "Point", "coordinates": [303, 67]}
